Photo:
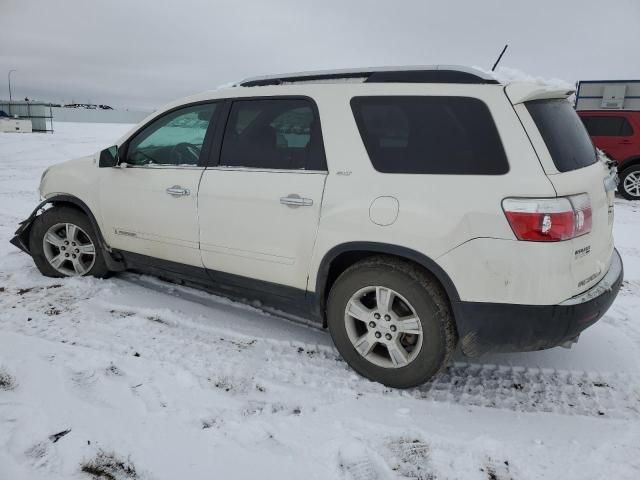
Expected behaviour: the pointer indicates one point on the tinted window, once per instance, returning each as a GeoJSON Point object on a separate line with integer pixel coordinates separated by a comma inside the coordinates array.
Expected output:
{"type": "Point", "coordinates": [436, 135]}
{"type": "Point", "coordinates": [601, 126]}
{"type": "Point", "coordinates": [564, 134]}
{"type": "Point", "coordinates": [273, 134]}
{"type": "Point", "coordinates": [173, 139]}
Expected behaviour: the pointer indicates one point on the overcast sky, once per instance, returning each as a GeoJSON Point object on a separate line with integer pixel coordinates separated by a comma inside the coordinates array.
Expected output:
{"type": "Point", "coordinates": [143, 53]}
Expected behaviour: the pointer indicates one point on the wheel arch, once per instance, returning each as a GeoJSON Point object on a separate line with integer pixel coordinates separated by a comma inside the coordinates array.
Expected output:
{"type": "Point", "coordinates": [629, 162]}
{"type": "Point", "coordinates": [342, 256]}
{"type": "Point", "coordinates": [21, 238]}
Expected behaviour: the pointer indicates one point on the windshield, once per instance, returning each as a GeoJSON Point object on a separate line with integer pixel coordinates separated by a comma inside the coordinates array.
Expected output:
{"type": "Point", "coordinates": [563, 132]}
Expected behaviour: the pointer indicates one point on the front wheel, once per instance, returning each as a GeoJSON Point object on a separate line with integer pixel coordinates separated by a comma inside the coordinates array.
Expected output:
{"type": "Point", "coordinates": [629, 186]}
{"type": "Point", "coordinates": [391, 322]}
{"type": "Point", "coordinates": [63, 243]}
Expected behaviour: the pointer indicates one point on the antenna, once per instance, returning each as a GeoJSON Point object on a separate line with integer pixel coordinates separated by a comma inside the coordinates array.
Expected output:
{"type": "Point", "coordinates": [499, 58]}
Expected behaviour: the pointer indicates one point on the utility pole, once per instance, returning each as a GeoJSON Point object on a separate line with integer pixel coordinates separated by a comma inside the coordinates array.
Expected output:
{"type": "Point", "coordinates": [10, 95]}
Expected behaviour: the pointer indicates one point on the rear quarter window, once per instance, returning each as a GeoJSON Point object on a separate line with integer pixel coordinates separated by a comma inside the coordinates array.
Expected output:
{"type": "Point", "coordinates": [429, 135]}
{"type": "Point", "coordinates": [563, 133]}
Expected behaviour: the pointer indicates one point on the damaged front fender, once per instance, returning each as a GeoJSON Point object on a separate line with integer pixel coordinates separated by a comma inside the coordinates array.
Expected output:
{"type": "Point", "coordinates": [21, 237]}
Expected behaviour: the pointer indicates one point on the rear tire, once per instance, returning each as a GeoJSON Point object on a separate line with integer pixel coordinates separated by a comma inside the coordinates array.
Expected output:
{"type": "Point", "coordinates": [401, 346]}
{"type": "Point", "coordinates": [63, 243]}
{"type": "Point", "coordinates": [629, 186]}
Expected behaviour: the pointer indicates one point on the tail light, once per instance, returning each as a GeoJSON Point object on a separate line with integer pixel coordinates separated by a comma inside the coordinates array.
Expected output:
{"type": "Point", "coordinates": [548, 219]}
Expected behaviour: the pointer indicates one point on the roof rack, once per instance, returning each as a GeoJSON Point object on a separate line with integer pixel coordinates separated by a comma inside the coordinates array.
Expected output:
{"type": "Point", "coordinates": [409, 74]}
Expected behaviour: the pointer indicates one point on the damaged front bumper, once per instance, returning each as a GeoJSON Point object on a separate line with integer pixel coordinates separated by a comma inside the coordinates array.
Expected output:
{"type": "Point", "coordinates": [21, 236]}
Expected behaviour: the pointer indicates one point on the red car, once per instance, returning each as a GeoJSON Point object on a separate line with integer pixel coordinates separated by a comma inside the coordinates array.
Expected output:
{"type": "Point", "coordinates": [617, 133]}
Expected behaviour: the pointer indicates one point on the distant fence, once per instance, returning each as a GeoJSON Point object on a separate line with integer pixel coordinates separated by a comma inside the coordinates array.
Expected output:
{"type": "Point", "coordinates": [40, 114]}
{"type": "Point", "coordinates": [43, 116]}
{"type": "Point", "coordinates": [84, 115]}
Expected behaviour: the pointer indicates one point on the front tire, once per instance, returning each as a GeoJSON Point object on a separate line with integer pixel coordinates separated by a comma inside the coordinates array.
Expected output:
{"type": "Point", "coordinates": [63, 243]}
{"type": "Point", "coordinates": [629, 186]}
{"type": "Point", "coordinates": [391, 322]}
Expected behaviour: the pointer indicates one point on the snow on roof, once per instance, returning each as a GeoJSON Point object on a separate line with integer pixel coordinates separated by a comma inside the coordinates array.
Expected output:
{"type": "Point", "coordinates": [506, 75]}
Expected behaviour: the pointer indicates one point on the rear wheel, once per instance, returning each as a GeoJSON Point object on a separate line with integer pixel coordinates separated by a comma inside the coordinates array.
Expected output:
{"type": "Point", "coordinates": [629, 186]}
{"type": "Point", "coordinates": [391, 322]}
{"type": "Point", "coordinates": [64, 244]}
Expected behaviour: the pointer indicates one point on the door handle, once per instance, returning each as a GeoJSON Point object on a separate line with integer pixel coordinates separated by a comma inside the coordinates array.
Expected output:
{"type": "Point", "coordinates": [294, 200]}
{"type": "Point", "coordinates": [626, 142]}
{"type": "Point", "coordinates": [178, 191]}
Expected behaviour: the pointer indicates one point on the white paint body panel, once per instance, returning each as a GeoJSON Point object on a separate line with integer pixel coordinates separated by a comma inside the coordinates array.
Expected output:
{"type": "Point", "coordinates": [455, 220]}
{"type": "Point", "coordinates": [245, 230]}
{"type": "Point", "coordinates": [139, 216]}
{"type": "Point", "coordinates": [588, 180]}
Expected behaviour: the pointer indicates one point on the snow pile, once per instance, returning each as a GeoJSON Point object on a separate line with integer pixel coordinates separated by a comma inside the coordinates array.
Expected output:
{"type": "Point", "coordinates": [135, 378]}
{"type": "Point", "coordinates": [508, 74]}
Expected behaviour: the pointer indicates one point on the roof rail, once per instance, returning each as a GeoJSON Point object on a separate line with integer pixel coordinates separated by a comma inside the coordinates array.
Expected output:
{"type": "Point", "coordinates": [409, 74]}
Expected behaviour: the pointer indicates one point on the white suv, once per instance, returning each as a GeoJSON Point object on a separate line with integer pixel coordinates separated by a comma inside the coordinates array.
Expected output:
{"type": "Point", "coordinates": [406, 209]}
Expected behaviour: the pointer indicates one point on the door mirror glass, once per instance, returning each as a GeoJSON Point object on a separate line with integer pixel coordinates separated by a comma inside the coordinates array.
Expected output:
{"type": "Point", "coordinates": [108, 157]}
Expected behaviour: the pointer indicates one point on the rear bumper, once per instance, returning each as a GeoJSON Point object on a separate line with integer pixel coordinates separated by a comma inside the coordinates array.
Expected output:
{"type": "Point", "coordinates": [503, 327]}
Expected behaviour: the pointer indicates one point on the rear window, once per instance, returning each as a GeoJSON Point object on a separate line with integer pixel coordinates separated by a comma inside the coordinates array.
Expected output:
{"type": "Point", "coordinates": [564, 134]}
{"type": "Point", "coordinates": [430, 135]}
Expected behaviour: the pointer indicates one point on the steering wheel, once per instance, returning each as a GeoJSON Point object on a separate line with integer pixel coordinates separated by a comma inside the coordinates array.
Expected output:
{"type": "Point", "coordinates": [185, 153]}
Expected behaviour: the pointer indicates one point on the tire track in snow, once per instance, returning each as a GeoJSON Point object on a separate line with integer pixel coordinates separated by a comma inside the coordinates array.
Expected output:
{"type": "Point", "coordinates": [519, 389]}
{"type": "Point", "coordinates": [242, 363]}
{"type": "Point", "coordinates": [524, 389]}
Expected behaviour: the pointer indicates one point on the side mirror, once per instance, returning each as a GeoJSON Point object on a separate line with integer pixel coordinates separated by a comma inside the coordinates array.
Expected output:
{"type": "Point", "coordinates": [109, 157]}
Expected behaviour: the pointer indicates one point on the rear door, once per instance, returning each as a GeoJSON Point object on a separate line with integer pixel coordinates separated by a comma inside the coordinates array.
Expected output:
{"type": "Point", "coordinates": [569, 159]}
{"type": "Point", "coordinates": [611, 133]}
{"type": "Point", "coordinates": [259, 206]}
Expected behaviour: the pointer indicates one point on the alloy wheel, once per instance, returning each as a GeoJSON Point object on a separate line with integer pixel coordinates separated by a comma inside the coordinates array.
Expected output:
{"type": "Point", "coordinates": [68, 249]}
{"type": "Point", "coordinates": [631, 184]}
{"type": "Point", "coordinates": [383, 327]}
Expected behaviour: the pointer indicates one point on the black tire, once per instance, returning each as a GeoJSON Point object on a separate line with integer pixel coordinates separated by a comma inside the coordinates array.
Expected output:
{"type": "Point", "coordinates": [424, 294]}
{"type": "Point", "coordinates": [635, 169]}
{"type": "Point", "coordinates": [56, 215]}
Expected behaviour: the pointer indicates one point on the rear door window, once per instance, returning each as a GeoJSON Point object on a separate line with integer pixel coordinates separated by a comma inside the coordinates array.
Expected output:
{"type": "Point", "coordinates": [430, 135]}
{"type": "Point", "coordinates": [280, 134]}
{"type": "Point", "coordinates": [607, 126]}
{"type": "Point", "coordinates": [564, 134]}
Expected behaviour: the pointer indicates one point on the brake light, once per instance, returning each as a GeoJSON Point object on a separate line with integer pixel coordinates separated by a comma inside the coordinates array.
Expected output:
{"type": "Point", "coordinates": [548, 219]}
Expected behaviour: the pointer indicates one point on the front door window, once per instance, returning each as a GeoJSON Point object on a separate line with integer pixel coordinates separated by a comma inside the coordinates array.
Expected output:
{"type": "Point", "coordinates": [173, 139]}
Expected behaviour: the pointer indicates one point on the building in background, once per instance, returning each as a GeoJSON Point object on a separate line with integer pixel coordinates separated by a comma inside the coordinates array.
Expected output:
{"type": "Point", "coordinates": [43, 115]}
{"type": "Point", "coordinates": [39, 114]}
{"type": "Point", "coordinates": [608, 95]}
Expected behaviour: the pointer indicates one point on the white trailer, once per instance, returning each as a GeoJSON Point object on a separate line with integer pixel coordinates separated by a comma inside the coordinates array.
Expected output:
{"type": "Point", "coordinates": [608, 95]}
{"type": "Point", "coordinates": [19, 125]}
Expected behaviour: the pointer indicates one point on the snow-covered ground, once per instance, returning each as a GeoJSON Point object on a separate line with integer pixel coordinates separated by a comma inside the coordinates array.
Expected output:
{"type": "Point", "coordinates": [156, 381]}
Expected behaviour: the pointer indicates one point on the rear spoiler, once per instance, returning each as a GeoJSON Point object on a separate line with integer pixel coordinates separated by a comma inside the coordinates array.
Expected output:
{"type": "Point", "coordinates": [519, 92]}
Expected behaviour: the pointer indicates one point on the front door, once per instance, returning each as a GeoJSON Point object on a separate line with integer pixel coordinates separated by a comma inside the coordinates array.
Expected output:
{"type": "Point", "coordinates": [259, 207]}
{"type": "Point", "coordinates": [150, 205]}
